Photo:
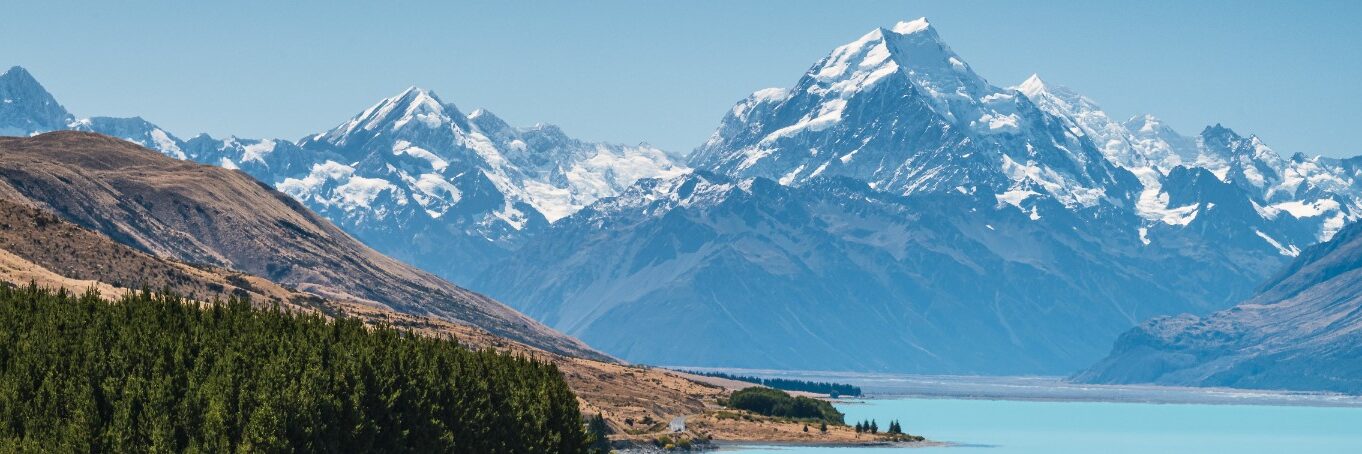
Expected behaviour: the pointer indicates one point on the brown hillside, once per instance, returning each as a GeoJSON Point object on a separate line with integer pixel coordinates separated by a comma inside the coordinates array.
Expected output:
{"type": "Point", "coordinates": [39, 247]}
{"type": "Point", "coordinates": [201, 214]}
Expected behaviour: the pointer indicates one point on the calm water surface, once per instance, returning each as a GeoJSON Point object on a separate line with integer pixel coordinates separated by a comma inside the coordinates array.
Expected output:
{"type": "Point", "coordinates": [1003, 426]}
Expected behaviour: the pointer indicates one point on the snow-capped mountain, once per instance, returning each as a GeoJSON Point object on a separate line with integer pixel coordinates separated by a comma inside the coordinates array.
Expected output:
{"type": "Point", "coordinates": [898, 109]}
{"type": "Point", "coordinates": [422, 181]}
{"type": "Point", "coordinates": [412, 175]}
{"type": "Point", "coordinates": [1012, 230]}
{"type": "Point", "coordinates": [542, 172]}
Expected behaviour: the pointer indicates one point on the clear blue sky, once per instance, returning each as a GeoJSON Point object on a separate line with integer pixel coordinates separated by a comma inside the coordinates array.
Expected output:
{"type": "Point", "coordinates": [665, 72]}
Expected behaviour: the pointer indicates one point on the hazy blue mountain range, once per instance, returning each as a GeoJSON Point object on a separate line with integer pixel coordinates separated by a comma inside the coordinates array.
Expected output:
{"type": "Point", "coordinates": [711, 270]}
{"type": "Point", "coordinates": [892, 210]}
{"type": "Point", "coordinates": [1302, 331]}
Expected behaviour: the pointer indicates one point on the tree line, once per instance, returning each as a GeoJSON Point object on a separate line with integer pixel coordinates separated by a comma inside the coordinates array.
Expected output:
{"type": "Point", "coordinates": [871, 426]}
{"type": "Point", "coordinates": [150, 372]}
{"type": "Point", "coordinates": [831, 389]}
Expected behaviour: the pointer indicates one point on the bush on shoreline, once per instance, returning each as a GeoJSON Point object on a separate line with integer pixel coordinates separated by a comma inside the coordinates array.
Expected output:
{"type": "Point", "coordinates": [774, 402]}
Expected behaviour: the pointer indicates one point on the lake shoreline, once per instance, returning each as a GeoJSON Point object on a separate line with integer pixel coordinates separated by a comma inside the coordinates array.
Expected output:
{"type": "Point", "coordinates": [639, 447]}
{"type": "Point", "coordinates": [1053, 389]}
{"type": "Point", "coordinates": [1108, 400]}
{"type": "Point", "coordinates": [996, 426]}
{"type": "Point", "coordinates": [729, 445]}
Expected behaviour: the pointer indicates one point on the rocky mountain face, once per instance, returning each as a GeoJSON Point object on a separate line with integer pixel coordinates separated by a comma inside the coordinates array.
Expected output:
{"type": "Point", "coordinates": [893, 210]}
{"type": "Point", "coordinates": [41, 248]}
{"type": "Point", "coordinates": [224, 218]}
{"type": "Point", "coordinates": [412, 176]}
{"type": "Point", "coordinates": [1303, 331]}
{"type": "Point", "coordinates": [26, 108]}
{"type": "Point", "coordinates": [706, 269]}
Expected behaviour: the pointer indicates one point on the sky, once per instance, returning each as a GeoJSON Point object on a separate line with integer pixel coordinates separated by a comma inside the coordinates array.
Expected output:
{"type": "Point", "coordinates": [666, 72]}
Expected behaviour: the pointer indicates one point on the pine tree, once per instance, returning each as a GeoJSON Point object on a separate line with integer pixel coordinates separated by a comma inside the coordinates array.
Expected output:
{"type": "Point", "coordinates": [874, 428]}
{"type": "Point", "coordinates": [823, 427]}
{"type": "Point", "coordinates": [599, 433]}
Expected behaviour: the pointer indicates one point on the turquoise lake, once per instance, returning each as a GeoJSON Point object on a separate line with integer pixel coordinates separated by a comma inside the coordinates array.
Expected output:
{"type": "Point", "coordinates": [1058, 427]}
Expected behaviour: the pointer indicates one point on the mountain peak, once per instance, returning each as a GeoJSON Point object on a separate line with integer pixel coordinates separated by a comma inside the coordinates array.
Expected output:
{"type": "Point", "coordinates": [929, 63]}
{"type": "Point", "coordinates": [1225, 142]}
{"type": "Point", "coordinates": [417, 98]}
{"type": "Point", "coordinates": [909, 27]}
{"type": "Point", "coordinates": [492, 125]}
{"type": "Point", "coordinates": [844, 116]}
{"type": "Point", "coordinates": [26, 107]}
{"type": "Point", "coordinates": [414, 106]}
{"type": "Point", "coordinates": [1032, 86]}
{"type": "Point", "coordinates": [415, 92]}
{"type": "Point", "coordinates": [1218, 130]}
{"type": "Point", "coordinates": [905, 35]}
{"type": "Point", "coordinates": [17, 73]}
{"type": "Point", "coordinates": [911, 48]}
